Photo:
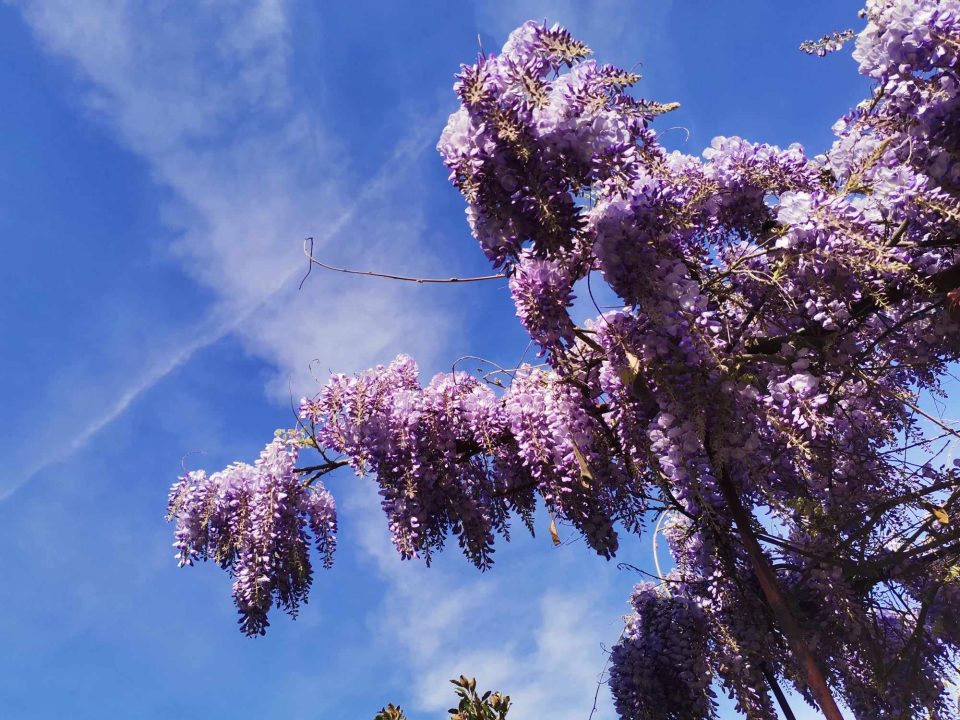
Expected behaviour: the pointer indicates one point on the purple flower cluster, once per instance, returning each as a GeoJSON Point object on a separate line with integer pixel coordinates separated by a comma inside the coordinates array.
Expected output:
{"type": "Point", "coordinates": [827, 44]}
{"type": "Point", "coordinates": [453, 457]}
{"type": "Point", "coordinates": [542, 290]}
{"type": "Point", "coordinates": [659, 669]}
{"type": "Point", "coordinates": [256, 521]}
{"type": "Point", "coordinates": [526, 135]}
{"type": "Point", "coordinates": [782, 316]}
{"type": "Point", "coordinates": [428, 447]}
{"type": "Point", "coordinates": [910, 48]}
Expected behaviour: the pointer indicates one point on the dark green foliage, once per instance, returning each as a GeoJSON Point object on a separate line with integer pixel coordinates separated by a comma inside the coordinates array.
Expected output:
{"type": "Point", "coordinates": [489, 706]}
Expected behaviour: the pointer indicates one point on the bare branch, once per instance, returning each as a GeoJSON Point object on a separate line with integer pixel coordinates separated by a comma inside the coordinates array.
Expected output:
{"type": "Point", "coordinates": [308, 251]}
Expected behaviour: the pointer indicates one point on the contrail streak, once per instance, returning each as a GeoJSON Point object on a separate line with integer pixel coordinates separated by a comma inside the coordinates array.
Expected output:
{"type": "Point", "coordinates": [216, 327]}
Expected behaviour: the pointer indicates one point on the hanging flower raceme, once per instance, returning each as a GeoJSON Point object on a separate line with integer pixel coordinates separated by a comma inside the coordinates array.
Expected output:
{"type": "Point", "coordinates": [659, 669]}
{"type": "Point", "coordinates": [256, 521]}
{"type": "Point", "coordinates": [542, 291]}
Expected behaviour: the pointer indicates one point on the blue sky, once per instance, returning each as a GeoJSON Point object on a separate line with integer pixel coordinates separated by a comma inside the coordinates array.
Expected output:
{"type": "Point", "coordinates": [160, 164]}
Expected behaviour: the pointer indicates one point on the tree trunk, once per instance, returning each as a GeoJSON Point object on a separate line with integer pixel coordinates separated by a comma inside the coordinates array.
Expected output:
{"type": "Point", "coordinates": [770, 586]}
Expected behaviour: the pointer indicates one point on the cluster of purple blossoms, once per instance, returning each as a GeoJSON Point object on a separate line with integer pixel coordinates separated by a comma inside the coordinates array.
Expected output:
{"type": "Point", "coordinates": [453, 457]}
{"type": "Point", "coordinates": [542, 291]}
{"type": "Point", "coordinates": [827, 44]}
{"type": "Point", "coordinates": [782, 316]}
{"type": "Point", "coordinates": [659, 669]}
{"type": "Point", "coordinates": [256, 521]}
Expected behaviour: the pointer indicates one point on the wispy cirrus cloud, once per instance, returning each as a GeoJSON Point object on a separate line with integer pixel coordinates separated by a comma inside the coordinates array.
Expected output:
{"type": "Point", "coordinates": [528, 632]}
{"type": "Point", "coordinates": [201, 92]}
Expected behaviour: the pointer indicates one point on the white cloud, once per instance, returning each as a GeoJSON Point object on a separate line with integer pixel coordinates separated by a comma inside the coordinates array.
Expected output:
{"type": "Point", "coordinates": [557, 677]}
{"type": "Point", "coordinates": [533, 635]}
{"type": "Point", "coordinates": [200, 91]}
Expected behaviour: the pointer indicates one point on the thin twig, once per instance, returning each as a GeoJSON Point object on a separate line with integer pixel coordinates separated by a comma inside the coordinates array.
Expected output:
{"type": "Point", "coordinates": [308, 251]}
{"type": "Point", "coordinates": [183, 460]}
{"type": "Point", "coordinates": [596, 695]}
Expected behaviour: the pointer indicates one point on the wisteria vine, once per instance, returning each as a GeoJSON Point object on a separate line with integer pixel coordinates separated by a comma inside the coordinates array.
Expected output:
{"type": "Point", "coordinates": [760, 388]}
